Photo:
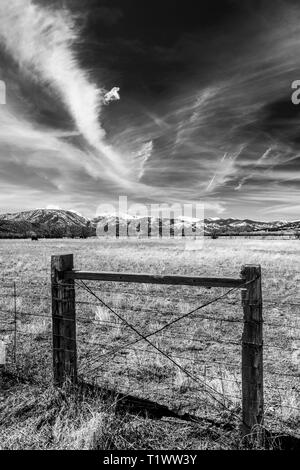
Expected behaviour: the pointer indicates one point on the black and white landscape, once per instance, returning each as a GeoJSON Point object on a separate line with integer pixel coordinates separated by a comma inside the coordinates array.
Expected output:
{"type": "Point", "coordinates": [149, 328]}
{"type": "Point", "coordinates": [162, 102]}
{"type": "Point", "coordinates": [55, 223]}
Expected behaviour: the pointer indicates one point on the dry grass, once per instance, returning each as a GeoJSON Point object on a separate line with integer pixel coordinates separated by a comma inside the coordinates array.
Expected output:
{"type": "Point", "coordinates": [33, 417]}
{"type": "Point", "coordinates": [197, 344]}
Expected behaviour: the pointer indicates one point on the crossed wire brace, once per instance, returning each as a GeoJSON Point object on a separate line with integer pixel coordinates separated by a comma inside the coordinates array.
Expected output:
{"type": "Point", "coordinates": [162, 328]}
{"type": "Point", "coordinates": [209, 390]}
{"type": "Point", "coordinates": [33, 296]}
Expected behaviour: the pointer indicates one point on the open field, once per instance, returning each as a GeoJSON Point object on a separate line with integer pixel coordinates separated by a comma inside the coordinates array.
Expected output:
{"type": "Point", "coordinates": [206, 344]}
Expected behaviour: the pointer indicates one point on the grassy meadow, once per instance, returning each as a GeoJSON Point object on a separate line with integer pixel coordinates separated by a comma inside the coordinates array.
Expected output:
{"type": "Point", "coordinates": [206, 344]}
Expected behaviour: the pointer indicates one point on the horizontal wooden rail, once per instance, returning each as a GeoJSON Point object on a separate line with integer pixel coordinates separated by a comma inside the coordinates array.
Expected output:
{"type": "Point", "coordinates": [154, 279]}
{"type": "Point", "coordinates": [64, 325]}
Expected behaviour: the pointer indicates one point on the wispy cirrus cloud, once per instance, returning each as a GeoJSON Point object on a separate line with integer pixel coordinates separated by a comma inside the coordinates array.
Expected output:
{"type": "Point", "coordinates": [204, 114]}
{"type": "Point", "coordinates": [42, 40]}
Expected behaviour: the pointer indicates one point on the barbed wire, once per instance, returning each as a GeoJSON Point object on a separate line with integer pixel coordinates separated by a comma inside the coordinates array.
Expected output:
{"type": "Point", "coordinates": [158, 352]}
{"type": "Point", "coordinates": [204, 317]}
{"type": "Point", "coordinates": [117, 326]}
{"type": "Point", "coordinates": [282, 301]}
{"type": "Point", "coordinates": [151, 334]}
{"type": "Point", "coordinates": [210, 390]}
{"type": "Point", "coordinates": [95, 359]}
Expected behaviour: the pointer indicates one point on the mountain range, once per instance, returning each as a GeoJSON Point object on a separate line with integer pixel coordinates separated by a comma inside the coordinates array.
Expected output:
{"type": "Point", "coordinates": [57, 223]}
{"type": "Point", "coordinates": [48, 223]}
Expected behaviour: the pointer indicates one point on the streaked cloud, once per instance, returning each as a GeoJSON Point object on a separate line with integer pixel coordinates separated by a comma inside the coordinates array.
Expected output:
{"type": "Point", "coordinates": [204, 116]}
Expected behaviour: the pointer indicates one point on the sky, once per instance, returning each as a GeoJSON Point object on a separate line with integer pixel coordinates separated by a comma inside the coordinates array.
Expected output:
{"type": "Point", "coordinates": [159, 101]}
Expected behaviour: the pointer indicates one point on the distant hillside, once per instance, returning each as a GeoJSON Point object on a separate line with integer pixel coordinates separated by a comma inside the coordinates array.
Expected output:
{"type": "Point", "coordinates": [52, 223]}
{"type": "Point", "coordinates": [246, 225]}
{"type": "Point", "coordinates": [181, 224]}
{"type": "Point", "coordinates": [48, 223]}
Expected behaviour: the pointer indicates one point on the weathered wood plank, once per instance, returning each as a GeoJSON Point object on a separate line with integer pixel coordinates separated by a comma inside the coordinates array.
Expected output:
{"type": "Point", "coordinates": [63, 321]}
{"type": "Point", "coordinates": [252, 351]}
{"type": "Point", "coordinates": [154, 279]}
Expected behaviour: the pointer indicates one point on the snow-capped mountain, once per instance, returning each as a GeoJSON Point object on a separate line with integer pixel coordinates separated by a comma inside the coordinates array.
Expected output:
{"type": "Point", "coordinates": [211, 224]}
{"type": "Point", "coordinates": [45, 223]}
{"type": "Point", "coordinates": [50, 216]}
{"type": "Point", "coordinates": [246, 225]}
{"type": "Point", "coordinates": [61, 223]}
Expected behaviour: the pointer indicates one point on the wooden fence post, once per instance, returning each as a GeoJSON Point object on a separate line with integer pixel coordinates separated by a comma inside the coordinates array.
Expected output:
{"type": "Point", "coordinates": [160, 227]}
{"type": "Point", "coordinates": [172, 227]}
{"type": "Point", "coordinates": [252, 350]}
{"type": "Point", "coordinates": [117, 227]}
{"type": "Point", "coordinates": [63, 321]}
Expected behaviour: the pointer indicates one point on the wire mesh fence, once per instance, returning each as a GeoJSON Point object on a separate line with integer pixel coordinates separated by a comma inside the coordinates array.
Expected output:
{"type": "Point", "coordinates": [202, 345]}
{"type": "Point", "coordinates": [194, 366]}
{"type": "Point", "coordinates": [25, 330]}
